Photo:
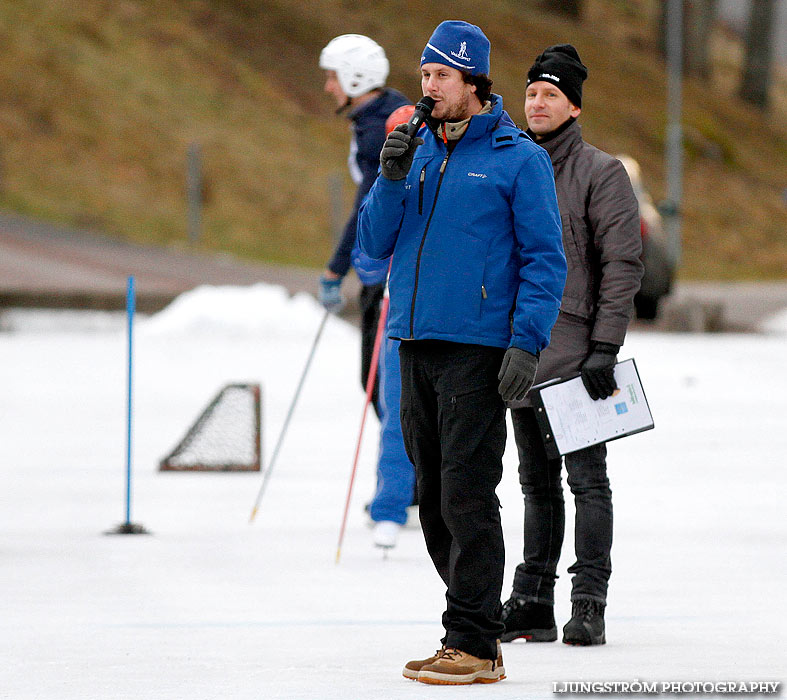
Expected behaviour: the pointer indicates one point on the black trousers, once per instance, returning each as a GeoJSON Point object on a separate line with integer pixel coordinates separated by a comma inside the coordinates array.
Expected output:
{"type": "Point", "coordinates": [544, 524]}
{"type": "Point", "coordinates": [369, 300]}
{"type": "Point", "coordinates": [453, 422]}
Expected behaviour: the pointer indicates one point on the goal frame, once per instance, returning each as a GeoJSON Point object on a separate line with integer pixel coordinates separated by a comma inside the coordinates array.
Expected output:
{"type": "Point", "coordinates": [166, 464]}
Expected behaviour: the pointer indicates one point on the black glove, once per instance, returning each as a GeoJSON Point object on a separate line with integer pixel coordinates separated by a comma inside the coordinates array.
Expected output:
{"type": "Point", "coordinates": [397, 154]}
{"type": "Point", "coordinates": [598, 371]}
{"type": "Point", "coordinates": [516, 374]}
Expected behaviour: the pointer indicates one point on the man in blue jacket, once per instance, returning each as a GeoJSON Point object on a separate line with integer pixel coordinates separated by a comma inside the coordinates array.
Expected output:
{"type": "Point", "coordinates": [468, 209]}
{"type": "Point", "coordinates": [356, 69]}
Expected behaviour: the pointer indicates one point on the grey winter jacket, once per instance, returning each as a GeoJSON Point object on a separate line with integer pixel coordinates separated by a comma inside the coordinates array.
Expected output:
{"type": "Point", "coordinates": [601, 239]}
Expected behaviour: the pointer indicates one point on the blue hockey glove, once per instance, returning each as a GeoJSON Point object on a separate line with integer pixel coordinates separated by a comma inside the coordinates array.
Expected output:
{"type": "Point", "coordinates": [330, 295]}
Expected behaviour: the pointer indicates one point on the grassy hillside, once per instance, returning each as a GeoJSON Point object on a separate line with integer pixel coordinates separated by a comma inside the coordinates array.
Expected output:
{"type": "Point", "coordinates": [102, 97]}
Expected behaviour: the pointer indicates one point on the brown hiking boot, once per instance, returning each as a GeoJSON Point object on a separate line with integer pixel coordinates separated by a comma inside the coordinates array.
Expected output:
{"type": "Point", "coordinates": [411, 668]}
{"type": "Point", "coordinates": [456, 667]}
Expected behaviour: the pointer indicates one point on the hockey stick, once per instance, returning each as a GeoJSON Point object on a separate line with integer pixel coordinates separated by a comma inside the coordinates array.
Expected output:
{"type": "Point", "coordinates": [369, 390]}
{"type": "Point", "coordinates": [268, 472]}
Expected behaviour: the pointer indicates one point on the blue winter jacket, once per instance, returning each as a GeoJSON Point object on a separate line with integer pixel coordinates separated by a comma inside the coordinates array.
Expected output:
{"type": "Point", "coordinates": [476, 238]}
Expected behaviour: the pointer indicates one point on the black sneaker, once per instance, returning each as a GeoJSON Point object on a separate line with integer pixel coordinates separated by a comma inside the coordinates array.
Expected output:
{"type": "Point", "coordinates": [586, 626]}
{"type": "Point", "coordinates": [533, 622]}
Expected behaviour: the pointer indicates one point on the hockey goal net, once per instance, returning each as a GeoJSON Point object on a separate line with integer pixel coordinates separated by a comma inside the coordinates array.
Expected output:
{"type": "Point", "coordinates": [226, 435]}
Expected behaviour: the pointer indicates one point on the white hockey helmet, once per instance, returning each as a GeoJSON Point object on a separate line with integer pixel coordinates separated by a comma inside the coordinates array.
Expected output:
{"type": "Point", "coordinates": [359, 62]}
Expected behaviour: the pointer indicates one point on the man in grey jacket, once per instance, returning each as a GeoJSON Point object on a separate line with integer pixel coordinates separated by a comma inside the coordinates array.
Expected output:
{"type": "Point", "coordinates": [601, 238]}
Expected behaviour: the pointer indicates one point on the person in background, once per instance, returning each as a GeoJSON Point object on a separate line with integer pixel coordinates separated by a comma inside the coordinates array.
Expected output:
{"type": "Point", "coordinates": [601, 237]}
{"type": "Point", "coordinates": [356, 69]}
{"type": "Point", "coordinates": [468, 209]}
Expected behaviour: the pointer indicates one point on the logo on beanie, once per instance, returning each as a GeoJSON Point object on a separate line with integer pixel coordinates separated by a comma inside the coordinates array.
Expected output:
{"type": "Point", "coordinates": [550, 76]}
{"type": "Point", "coordinates": [462, 52]}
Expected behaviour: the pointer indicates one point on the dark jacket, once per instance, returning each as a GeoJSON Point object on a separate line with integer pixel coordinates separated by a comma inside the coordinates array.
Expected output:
{"type": "Point", "coordinates": [601, 238]}
{"type": "Point", "coordinates": [368, 135]}
{"type": "Point", "coordinates": [475, 235]}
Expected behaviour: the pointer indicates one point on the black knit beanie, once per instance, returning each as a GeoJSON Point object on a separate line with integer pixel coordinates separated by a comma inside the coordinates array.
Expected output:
{"type": "Point", "coordinates": [561, 66]}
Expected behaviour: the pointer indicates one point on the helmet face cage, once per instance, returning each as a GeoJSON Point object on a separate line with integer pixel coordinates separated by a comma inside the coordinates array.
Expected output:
{"type": "Point", "coordinates": [360, 63]}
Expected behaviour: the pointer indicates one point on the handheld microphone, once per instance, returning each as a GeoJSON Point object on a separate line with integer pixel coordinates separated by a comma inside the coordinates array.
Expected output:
{"type": "Point", "coordinates": [422, 110]}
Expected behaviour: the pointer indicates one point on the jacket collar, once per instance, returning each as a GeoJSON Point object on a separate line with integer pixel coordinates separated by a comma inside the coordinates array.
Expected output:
{"type": "Point", "coordinates": [562, 144]}
{"type": "Point", "coordinates": [453, 131]}
{"type": "Point", "coordinates": [385, 102]}
{"type": "Point", "coordinates": [480, 124]}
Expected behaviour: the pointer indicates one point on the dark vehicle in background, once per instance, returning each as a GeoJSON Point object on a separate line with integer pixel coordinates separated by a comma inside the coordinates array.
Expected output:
{"type": "Point", "coordinates": [659, 265]}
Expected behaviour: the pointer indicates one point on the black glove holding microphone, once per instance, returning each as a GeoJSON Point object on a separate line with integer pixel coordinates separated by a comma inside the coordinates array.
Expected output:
{"type": "Point", "coordinates": [598, 371]}
{"type": "Point", "coordinates": [398, 152]}
{"type": "Point", "coordinates": [396, 156]}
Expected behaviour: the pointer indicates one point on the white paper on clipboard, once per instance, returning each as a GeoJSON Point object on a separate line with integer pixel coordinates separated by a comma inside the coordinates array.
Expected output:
{"type": "Point", "coordinates": [577, 421]}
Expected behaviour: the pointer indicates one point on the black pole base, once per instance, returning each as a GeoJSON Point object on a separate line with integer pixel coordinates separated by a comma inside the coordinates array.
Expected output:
{"type": "Point", "coordinates": [128, 529]}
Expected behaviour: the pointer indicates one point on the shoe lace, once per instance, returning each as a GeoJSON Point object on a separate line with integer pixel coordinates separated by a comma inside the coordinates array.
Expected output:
{"type": "Point", "coordinates": [449, 653]}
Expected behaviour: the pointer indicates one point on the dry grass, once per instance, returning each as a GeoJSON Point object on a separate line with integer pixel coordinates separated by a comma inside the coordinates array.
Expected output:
{"type": "Point", "coordinates": [102, 97]}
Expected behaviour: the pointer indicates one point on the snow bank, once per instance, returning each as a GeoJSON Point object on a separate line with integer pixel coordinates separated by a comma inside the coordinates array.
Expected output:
{"type": "Point", "coordinates": [60, 321]}
{"type": "Point", "coordinates": [776, 324]}
{"type": "Point", "coordinates": [260, 310]}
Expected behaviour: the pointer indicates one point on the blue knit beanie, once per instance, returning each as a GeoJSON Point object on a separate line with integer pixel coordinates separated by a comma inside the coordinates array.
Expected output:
{"type": "Point", "coordinates": [459, 45]}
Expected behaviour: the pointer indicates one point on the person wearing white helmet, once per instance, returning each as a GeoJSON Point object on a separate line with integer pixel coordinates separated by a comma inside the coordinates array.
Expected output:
{"type": "Point", "coordinates": [356, 69]}
{"type": "Point", "coordinates": [358, 65]}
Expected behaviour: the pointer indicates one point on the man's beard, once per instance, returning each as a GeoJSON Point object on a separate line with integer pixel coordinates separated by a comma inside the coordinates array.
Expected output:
{"type": "Point", "coordinates": [457, 112]}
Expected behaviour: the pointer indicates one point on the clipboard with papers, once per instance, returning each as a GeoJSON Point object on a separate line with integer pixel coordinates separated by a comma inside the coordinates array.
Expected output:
{"type": "Point", "coordinates": [570, 420]}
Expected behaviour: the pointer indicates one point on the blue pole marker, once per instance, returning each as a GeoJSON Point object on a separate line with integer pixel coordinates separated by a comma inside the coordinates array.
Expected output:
{"type": "Point", "coordinates": [131, 303]}
{"type": "Point", "coordinates": [127, 527]}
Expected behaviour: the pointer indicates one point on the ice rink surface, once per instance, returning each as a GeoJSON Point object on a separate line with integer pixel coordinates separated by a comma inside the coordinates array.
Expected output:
{"type": "Point", "coordinates": [211, 607]}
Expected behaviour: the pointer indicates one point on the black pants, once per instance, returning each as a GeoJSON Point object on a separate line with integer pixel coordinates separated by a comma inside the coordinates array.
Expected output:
{"type": "Point", "coordinates": [544, 526]}
{"type": "Point", "coordinates": [370, 299]}
{"type": "Point", "coordinates": [453, 422]}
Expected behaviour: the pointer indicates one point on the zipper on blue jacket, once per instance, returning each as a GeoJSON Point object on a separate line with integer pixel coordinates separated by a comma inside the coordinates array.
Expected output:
{"type": "Point", "coordinates": [421, 191]}
{"type": "Point", "coordinates": [423, 240]}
